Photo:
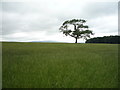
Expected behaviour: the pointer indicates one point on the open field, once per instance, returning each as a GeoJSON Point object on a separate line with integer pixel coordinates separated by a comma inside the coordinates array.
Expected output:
{"type": "Point", "coordinates": [60, 65]}
{"type": "Point", "coordinates": [0, 75]}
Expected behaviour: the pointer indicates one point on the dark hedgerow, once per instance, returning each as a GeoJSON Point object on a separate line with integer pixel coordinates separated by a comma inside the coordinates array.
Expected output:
{"type": "Point", "coordinates": [105, 39]}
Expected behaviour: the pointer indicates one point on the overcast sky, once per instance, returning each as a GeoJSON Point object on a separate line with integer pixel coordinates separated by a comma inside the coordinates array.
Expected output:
{"type": "Point", "coordinates": [40, 21]}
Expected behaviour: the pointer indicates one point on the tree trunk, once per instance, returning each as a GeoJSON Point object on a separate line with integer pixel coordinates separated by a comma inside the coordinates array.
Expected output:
{"type": "Point", "coordinates": [76, 40]}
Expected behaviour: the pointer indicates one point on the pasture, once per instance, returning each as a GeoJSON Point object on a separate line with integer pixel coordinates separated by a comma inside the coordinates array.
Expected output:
{"type": "Point", "coordinates": [59, 65]}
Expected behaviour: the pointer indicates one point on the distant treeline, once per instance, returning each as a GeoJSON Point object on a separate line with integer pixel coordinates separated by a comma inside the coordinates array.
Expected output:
{"type": "Point", "coordinates": [105, 39]}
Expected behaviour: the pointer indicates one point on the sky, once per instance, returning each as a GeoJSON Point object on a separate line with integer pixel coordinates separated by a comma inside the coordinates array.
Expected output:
{"type": "Point", "coordinates": [26, 21]}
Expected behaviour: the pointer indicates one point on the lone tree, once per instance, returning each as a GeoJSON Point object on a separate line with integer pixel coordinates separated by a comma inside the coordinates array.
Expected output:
{"type": "Point", "coordinates": [76, 28]}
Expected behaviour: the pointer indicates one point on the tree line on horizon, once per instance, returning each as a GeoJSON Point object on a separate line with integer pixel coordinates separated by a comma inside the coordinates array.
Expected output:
{"type": "Point", "coordinates": [105, 39]}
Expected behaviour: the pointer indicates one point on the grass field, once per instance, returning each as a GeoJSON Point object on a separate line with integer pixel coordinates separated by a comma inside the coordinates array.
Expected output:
{"type": "Point", "coordinates": [60, 65]}
{"type": "Point", "coordinates": [0, 75]}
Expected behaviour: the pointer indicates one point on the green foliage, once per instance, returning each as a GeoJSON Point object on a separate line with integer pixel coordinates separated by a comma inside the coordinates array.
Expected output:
{"type": "Point", "coordinates": [105, 39]}
{"type": "Point", "coordinates": [80, 30]}
{"type": "Point", "coordinates": [59, 65]}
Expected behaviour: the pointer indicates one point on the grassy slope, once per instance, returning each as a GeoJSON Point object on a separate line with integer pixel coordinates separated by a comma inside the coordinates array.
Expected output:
{"type": "Point", "coordinates": [60, 65]}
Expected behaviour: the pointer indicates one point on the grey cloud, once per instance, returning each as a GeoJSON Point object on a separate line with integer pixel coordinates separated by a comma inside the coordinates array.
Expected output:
{"type": "Point", "coordinates": [13, 7]}
{"type": "Point", "coordinates": [87, 10]}
{"type": "Point", "coordinates": [99, 9]}
{"type": "Point", "coordinates": [49, 15]}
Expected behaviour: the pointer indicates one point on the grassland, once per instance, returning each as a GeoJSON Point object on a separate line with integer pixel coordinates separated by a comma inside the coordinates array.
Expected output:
{"type": "Point", "coordinates": [60, 65]}
{"type": "Point", "coordinates": [0, 65]}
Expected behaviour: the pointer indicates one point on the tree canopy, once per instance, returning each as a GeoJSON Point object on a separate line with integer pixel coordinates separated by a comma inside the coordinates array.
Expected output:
{"type": "Point", "coordinates": [76, 28]}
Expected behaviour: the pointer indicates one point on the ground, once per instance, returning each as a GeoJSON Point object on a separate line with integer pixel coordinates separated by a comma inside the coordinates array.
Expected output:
{"type": "Point", "coordinates": [60, 65]}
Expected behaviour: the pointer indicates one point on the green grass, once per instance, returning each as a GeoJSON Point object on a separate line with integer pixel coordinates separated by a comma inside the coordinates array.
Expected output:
{"type": "Point", "coordinates": [60, 65]}
{"type": "Point", "coordinates": [0, 65]}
